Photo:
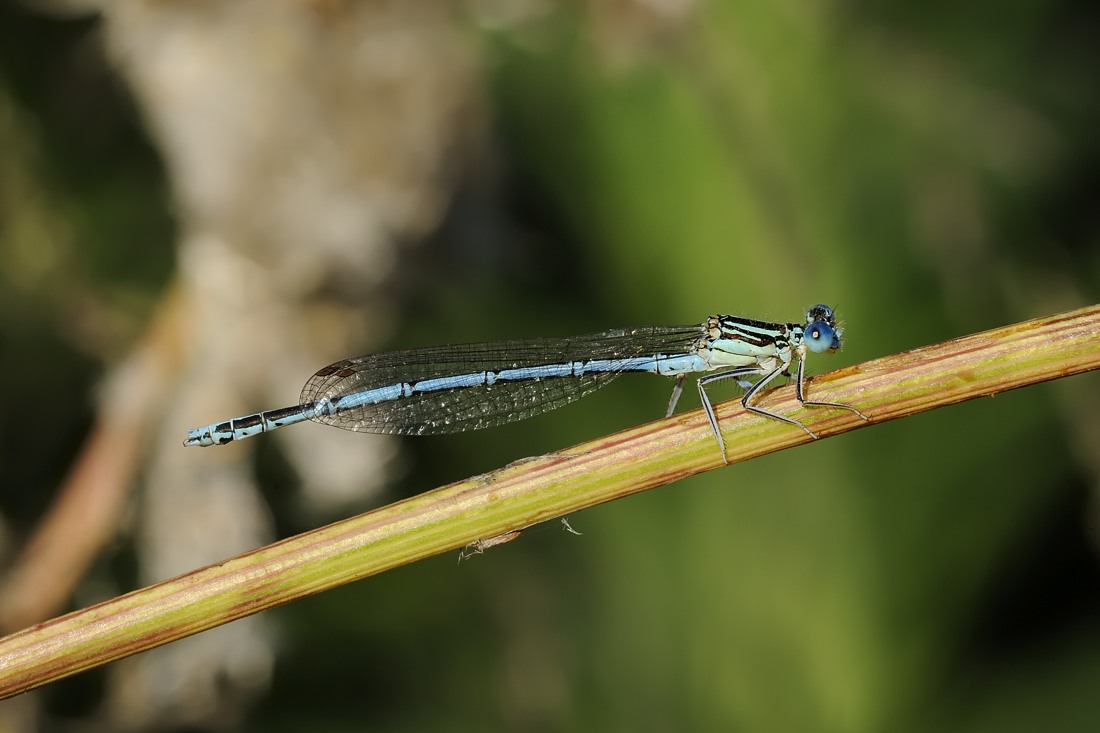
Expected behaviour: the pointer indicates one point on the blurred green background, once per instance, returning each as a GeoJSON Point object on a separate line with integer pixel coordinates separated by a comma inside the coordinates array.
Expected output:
{"type": "Point", "coordinates": [931, 170]}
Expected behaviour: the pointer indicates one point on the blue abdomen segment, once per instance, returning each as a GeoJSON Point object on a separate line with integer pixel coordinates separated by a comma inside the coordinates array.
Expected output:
{"type": "Point", "coordinates": [469, 386]}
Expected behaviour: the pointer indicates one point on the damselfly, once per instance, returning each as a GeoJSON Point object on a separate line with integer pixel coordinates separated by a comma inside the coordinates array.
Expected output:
{"type": "Point", "coordinates": [448, 389]}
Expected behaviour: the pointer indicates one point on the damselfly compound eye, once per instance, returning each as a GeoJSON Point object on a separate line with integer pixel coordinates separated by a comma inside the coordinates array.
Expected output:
{"type": "Point", "coordinates": [821, 337]}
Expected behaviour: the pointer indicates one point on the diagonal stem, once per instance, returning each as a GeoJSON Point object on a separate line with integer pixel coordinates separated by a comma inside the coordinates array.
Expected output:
{"type": "Point", "coordinates": [533, 490]}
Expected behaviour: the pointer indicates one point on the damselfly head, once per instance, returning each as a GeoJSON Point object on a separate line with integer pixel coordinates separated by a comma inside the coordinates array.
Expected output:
{"type": "Point", "coordinates": [821, 312]}
{"type": "Point", "coordinates": [821, 334]}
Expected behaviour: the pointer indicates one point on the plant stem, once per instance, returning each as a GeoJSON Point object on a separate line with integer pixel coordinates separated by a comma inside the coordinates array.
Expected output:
{"type": "Point", "coordinates": [534, 490]}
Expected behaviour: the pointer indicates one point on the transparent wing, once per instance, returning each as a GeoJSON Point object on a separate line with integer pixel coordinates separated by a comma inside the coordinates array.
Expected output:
{"type": "Point", "coordinates": [482, 406]}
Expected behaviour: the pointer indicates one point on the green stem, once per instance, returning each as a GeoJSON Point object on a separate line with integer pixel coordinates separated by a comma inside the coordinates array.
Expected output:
{"type": "Point", "coordinates": [534, 490]}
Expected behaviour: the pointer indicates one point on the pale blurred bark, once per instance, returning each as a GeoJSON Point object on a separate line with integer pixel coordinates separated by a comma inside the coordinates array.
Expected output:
{"type": "Point", "coordinates": [304, 142]}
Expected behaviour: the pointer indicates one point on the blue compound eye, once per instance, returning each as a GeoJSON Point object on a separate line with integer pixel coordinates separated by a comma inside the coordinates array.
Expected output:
{"type": "Point", "coordinates": [820, 337]}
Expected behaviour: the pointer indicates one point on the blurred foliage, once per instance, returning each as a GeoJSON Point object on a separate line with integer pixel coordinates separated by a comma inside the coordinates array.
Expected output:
{"type": "Point", "coordinates": [85, 242]}
{"type": "Point", "coordinates": [928, 169]}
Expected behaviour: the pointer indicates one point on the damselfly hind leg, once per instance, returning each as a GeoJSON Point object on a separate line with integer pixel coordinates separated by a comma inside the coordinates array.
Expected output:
{"type": "Point", "coordinates": [677, 389]}
{"type": "Point", "coordinates": [732, 374]}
